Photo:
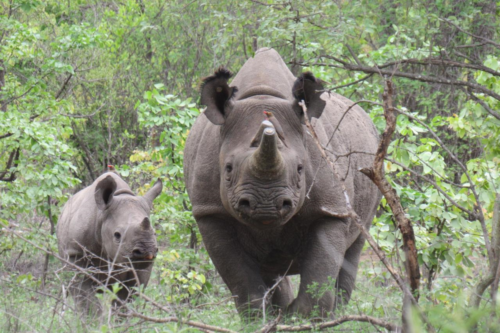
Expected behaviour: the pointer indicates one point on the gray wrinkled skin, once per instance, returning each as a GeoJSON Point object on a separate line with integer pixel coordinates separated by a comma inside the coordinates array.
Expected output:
{"type": "Point", "coordinates": [257, 225]}
{"type": "Point", "coordinates": [109, 221]}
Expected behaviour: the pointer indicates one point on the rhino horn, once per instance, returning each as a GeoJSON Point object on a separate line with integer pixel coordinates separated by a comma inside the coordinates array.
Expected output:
{"type": "Point", "coordinates": [266, 161]}
{"type": "Point", "coordinates": [146, 224]}
{"type": "Point", "coordinates": [258, 137]}
{"type": "Point", "coordinates": [153, 193]}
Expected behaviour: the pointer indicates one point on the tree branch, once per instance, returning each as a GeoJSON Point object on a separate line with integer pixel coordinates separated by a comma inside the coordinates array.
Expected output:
{"type": "Point", "coordinates": [134, 314]}
{"type": "Point", "coordinates": [433, 183]}
{"type": "Point", "coordinates": [376, 174]}
{"type": "Point", "coordinates": [441, 62]}
{"type": "Point", "coordinates": [484, 105]}
{"type": "Point", "coordinates": [359, 318]}
{"type": "Point", "coordinates": [350, 84]}
{"type": "Point", "coordinates": [12, 162]}
{"type": "Point", "coordinates": [417, 77]}
{"type": "Point", "coordinates": [489, 41]}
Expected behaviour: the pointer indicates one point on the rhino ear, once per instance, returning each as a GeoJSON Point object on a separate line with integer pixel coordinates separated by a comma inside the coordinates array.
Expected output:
{"type": "Point", "coordinates": [153, 193]}
{"type": "Point", "coordinates": [215, 93]}
{"type": "Point", "coordinates": [104, 192]}
{"type": "Point", "coordinates": [308, 89]}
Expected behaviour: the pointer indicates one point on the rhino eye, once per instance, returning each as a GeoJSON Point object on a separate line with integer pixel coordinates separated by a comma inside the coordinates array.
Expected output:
{"type": "Point", "coordinates": [229, 168]}
{"type": "Point", "coordinates": [118, 236]}
{"type": "Point", "coordinates": [299, 169]}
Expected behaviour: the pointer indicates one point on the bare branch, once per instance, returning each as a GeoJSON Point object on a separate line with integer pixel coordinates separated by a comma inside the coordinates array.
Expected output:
{"type": "Point", "coordinates": [376, 174]}
{"type": "Point", "coordinates": [59, 93]}
{"type": "Point", "coordinates": [359, 318]}
{"type": "Point", "coordinates": [12, 162]}
{"type": "Point", "coordinates": [436, 186]}
{"type": "Point", "coordinates": [191, 323]}
{"type": "Point", "coordinates": [433, 170]}
{"type": "Point", "coordinates": [350, 84]}
{"type": "Point", "coordinates": [489, 41]}
{"type": "Point", "coordinates": [353, 54]}
{"type": "Point", "coordinates": [272, 325]}
{"type": "Point", "coordinates": [484, 105]}
{"type": "Point", "coordinates": [494, 269]}
{"type": "Point", "coordinates": [413, 76]}
{"type": "Point", "coordinates": [478, 207]}
{"type": "Point", "coordinates": [269, 292]}
{"type": "Point", "coordinates": [441, 62]}
{"type": "Point", "coordinates": [5, 135]}
{"type": "Point", "coordinates": [342, 118]}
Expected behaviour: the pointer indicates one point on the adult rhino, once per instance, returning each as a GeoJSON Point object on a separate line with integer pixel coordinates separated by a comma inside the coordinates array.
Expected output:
{"type": "Point", "coordinates": [266, 209]}
{"type": "Point", "coordinates": [105, 227]}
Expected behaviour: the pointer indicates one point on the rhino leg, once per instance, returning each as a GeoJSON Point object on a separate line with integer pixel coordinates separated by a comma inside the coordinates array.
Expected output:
{"type": "Point", "coordinates": [319, 263]}
{"type": "Point", "coordinates": [283, 292]}
{"type": "Point", "coordinates": [83, 293]}
{"type": "Point", "coordinates": [133, 279]}
{"type": "Point", "coordinates": [347, 275]}
{"type": "Point", "coordinates": [240, 272]}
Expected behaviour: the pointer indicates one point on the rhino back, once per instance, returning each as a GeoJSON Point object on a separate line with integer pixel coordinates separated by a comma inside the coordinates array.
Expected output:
{"type": "Point", "coordinates": [77, 225]}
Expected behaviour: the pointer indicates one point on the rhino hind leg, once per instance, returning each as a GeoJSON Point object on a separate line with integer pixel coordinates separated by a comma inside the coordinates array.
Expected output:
{"type": "Point", "coordinates": [347, 275]}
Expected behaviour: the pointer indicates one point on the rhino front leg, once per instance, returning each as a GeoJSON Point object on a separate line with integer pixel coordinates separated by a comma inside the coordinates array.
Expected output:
{"type": "Point", "coordinates": [240, 271]}
{"type": "Point", "coordinates": [83, 292]}
{"type": "Point", "coordinates": [320, 263]}
{"type": "Point", "coordinates": [283, 292]}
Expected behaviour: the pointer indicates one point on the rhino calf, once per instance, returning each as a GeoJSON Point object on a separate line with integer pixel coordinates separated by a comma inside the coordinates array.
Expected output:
{"type": "Point", "coordinates": [106, 229]}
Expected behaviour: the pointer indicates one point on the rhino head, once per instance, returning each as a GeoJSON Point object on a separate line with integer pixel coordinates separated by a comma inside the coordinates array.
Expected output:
{"type": "Point", "coordinates": [262, 160]}
{"type": "Point", "coordinates": [124, 228]}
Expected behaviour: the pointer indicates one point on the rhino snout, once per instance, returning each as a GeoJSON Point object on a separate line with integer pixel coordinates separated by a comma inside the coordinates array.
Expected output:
{"type": "Point", "coordinates": [140, 253]}
{"type": "Point", "coordinates": [266, 212]}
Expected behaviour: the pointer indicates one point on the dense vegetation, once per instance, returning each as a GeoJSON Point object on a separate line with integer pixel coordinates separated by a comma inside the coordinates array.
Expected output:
{"type": "Point", "coordinates": [84, 84]}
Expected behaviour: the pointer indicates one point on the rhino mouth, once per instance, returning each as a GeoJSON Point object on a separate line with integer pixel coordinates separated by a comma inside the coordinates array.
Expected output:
{"type": "Point", "coordinates": [143, 254]}
{"type": "Point", "coordinates": [266, 218]}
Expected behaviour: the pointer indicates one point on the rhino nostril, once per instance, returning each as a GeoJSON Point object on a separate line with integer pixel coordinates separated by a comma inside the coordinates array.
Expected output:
{"type": "Point", "coordinates": [287, 204]}
{"type": "Point", "coordinates": [284, 205]}
{"type": "Point", "coordinates": [137, 253]}
{"type": "Point", "coordinates": [244, 204]}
